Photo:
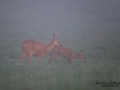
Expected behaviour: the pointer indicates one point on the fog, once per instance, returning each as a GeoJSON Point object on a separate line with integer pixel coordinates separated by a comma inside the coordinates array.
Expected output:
{"type": "Point", "coordinates": [68, 19]}
{"type": "Point", "coordinates": [57, 16]}
{"type": "Point", "coordinates": [90, 26]}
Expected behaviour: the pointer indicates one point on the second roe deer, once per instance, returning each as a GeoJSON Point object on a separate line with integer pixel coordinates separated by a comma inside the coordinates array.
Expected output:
{"type": "Point", "coordinates": [66, 53]}
{"type": "Point", "coordinates": [31, 47]}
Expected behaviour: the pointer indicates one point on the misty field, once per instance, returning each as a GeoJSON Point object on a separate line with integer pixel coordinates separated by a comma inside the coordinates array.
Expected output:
{"type": "Point", "coordinates": [101, 48]}
{"type": "Point", "coordinates": [90, 26]}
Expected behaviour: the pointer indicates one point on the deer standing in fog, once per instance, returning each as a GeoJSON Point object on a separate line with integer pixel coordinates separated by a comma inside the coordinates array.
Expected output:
{"type": "Point", "coordinates": [66, 53]}
{"type": "Point", "coordinates": [31, 47]}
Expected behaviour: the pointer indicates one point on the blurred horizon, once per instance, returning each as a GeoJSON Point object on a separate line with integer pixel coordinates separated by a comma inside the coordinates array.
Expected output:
{"type": "Point", "coordinates": [69, 20]}
{"type": "Point", "coordinates": [57, 16]}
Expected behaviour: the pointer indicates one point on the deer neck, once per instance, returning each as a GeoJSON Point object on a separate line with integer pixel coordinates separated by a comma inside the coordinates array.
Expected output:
{"type": "Point", "coordinates": [50, 46]}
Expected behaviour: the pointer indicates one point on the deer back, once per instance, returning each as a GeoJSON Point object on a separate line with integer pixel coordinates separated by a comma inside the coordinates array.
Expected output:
{"type": "Point", "coordinates": [33, 47]}
{"type": "Point", "coordinates": [64, 52]}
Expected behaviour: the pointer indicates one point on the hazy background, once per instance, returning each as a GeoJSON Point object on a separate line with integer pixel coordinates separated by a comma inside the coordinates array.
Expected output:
{"type": "Point", "coordinates": [45, 17]}
{"type": "Point", "coordinates": [91, 26]}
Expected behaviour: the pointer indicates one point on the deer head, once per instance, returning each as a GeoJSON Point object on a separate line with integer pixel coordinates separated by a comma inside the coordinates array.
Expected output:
{"type": "Point", "coordinates": [82, 56]}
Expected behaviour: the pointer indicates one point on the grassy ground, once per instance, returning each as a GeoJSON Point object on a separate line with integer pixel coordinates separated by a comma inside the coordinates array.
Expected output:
{"type": "Point", "coordinates": [102, 53]}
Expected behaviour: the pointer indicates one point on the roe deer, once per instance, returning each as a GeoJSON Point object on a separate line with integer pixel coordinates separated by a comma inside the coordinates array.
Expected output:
{"type": "Point", "coordinates": [66, 53]}
{"type": "Point", "coordinates": [31, 47]}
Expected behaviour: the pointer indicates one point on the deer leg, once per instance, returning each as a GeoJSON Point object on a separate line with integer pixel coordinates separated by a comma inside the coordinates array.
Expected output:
{"type": "Point", "coordinates": [23, 55]}
{"type": "Point", "coordinates": [39, 58]}
{"type": "Point", "coordinates": [53, 56]}
{"type": "Point", "coordinates": [55, 61]}
{"type": "Point", "coordinates": [69, 61]}
{"type": "Point", "coordinates": [50, 60]}
{"type": "Point", "coordinates": [29, 58]}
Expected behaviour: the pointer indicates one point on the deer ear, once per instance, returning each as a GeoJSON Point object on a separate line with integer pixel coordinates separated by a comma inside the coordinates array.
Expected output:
{"type": "Point", "coordinates": [54, 36]}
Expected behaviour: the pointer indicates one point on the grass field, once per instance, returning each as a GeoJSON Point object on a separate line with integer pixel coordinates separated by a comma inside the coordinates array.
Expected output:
{"type": "Point", "coordinates": [102, 49]}
{"type": "Point", "coordinates": [91, 26]}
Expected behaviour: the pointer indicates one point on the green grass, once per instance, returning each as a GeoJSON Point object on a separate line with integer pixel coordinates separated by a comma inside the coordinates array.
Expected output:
{"type": "Point", "coordinates": [102, 64]}
{"type": "Point", "coordinates": [45, 76]}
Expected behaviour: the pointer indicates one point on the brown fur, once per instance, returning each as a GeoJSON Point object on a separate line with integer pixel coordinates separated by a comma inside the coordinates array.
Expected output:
{"type": "Point", "coordinates": [31, 47]}
{"type": "Point", "coordinates": [66, 53]}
